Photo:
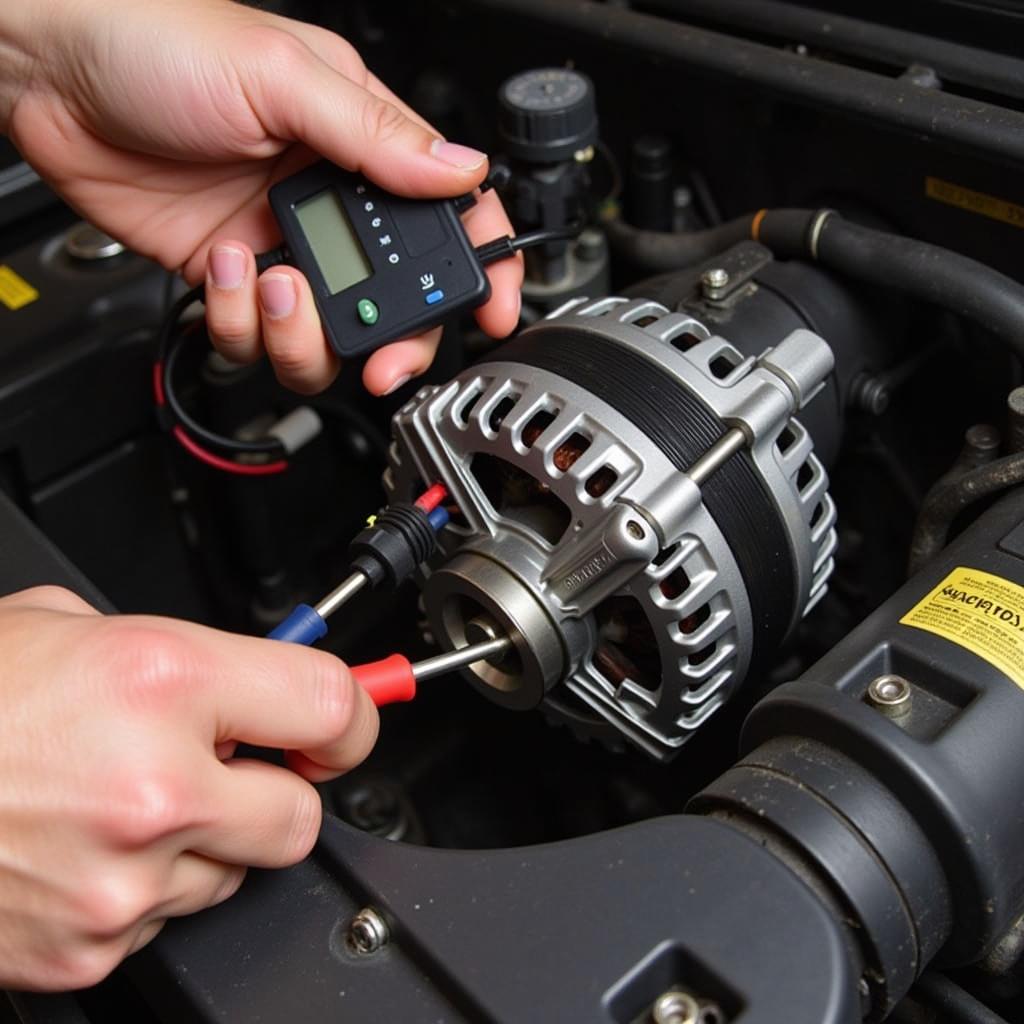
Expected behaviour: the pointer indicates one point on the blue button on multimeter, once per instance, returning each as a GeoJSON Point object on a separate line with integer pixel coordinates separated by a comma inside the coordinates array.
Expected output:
{"type": "Point", "coordinates": [366, 251]}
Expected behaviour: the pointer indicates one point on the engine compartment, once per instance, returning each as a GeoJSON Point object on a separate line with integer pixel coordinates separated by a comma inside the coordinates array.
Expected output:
{"type": "Point", "coordinates": [703, 489]}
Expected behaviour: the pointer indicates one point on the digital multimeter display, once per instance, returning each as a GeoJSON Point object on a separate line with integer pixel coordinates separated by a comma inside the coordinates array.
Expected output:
{"type": "Point", "coordinates": [336, 248]}
{"type": "Point", "coordinates": [381, 267]}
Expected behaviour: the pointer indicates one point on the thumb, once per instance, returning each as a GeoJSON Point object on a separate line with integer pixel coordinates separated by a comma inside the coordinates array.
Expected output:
{"type": "Point", "coordinates": [313, 104]}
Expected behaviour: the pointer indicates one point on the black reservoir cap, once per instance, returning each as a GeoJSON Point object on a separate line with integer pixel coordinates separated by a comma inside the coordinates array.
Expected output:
{"type": "Point", "coordinates": [547, 114]}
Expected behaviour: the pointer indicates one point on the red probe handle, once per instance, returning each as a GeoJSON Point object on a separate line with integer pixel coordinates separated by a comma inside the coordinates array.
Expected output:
{"type": "Point", "coordinates": [387, 681]}
{"type": "Point", "coordinates": [431, 498]}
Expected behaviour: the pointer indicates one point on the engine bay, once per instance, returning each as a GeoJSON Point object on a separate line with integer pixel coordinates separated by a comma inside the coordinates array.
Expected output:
{"type": "Point", "coordinates": [740, 497]}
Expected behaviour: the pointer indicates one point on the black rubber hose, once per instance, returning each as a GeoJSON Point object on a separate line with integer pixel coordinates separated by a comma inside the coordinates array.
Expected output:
{"type": "Point", "coordinates": [667, 250]}
{"type": "Point", "coordinates": [947, 500]}
{"type": "Point", "coordinates": [927, 272]}
{"type": "Point", "coordinates": [956, 1005]}
{"type": "Point", "coordinates": [917, 269]}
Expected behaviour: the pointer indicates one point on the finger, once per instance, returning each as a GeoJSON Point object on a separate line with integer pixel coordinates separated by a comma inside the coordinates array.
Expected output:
{"type": "Point", "coordinates": [284, 695]}
{"type": "Point", "coordinates": [318, 764]}
{"type": "Point", "coordinates": [195, 883]}
{"type": "Point", "coordinates": [232, 316]}
{"type": "Point", "coordinates": [263, 816]}
{"type": "Point", "coordinates": [292, 334]}
{"type": "Point", "coordinates": [252, 221]}
{"type": "Point", "coordinates": [343, 57]}
{"type": "Point", "coordinates": [50, 598]}
{"type": "Point", "coordinates": [252, 690]}
{"type": "Point", "coordinates": [394, 365]}
{"type": "Point", "coordinates": [485, 221]}
{"type": "Point", "coordinates": [378, 88]}
{"type": "Point", "coordinates": [348, 124]}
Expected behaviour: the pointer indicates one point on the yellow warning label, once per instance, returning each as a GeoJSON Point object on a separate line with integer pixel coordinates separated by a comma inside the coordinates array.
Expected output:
{"type": "Point", "coordinates": [979, 611]}
{"type": "Point", "coordinates": [15, 291]}
{"type": "Point", "coordinates": [975, 202]}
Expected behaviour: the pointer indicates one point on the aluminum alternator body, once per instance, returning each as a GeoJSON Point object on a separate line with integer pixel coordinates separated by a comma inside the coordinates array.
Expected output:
{"type": "Point", "coordinates": [636, 505]}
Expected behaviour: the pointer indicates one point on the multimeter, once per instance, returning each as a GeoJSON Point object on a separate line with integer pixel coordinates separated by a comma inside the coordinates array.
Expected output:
{"type": "Point", "coordinates": [381, 267]}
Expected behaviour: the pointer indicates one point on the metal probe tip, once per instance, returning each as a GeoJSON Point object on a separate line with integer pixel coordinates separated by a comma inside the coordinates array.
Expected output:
{"type": "Point", "coordinates": [337, 597]}
{"type": "Point", "coordinates": [460, 658]}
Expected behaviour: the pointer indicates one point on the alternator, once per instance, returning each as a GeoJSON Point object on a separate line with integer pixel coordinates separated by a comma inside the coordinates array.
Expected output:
{"type": "Point", "coordinates": [634, 504]}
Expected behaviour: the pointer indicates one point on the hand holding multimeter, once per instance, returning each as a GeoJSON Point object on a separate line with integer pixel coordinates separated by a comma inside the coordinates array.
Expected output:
{"type": "Point", "coordinates": [380, 267]}
{"type": "Point", "coordinates": [383, 267]}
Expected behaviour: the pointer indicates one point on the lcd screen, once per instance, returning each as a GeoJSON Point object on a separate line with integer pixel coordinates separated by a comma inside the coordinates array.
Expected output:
{"type": "Point", "coordinates": [336, 248]}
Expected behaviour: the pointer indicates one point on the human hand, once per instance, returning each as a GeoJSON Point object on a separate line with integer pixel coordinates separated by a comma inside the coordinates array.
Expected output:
{"type": "Point", "coordinates": [164, 122]}
{"type": "Point", "coordinates": [120, 802]}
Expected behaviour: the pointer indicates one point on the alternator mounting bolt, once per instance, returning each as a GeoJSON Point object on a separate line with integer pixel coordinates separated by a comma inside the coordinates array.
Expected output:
{"type": "Point", "coordinates": [890, 694]}
{"type": "Point", "coordinates": [714, 279]}
{"type": "Point", "coordinates": [368, 932]}
{"type": "Point", "coordinates": [675, 1008]}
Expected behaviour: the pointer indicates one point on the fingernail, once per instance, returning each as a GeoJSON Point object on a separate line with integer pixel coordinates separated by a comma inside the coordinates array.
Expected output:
{"type": "Point", "coordinates": [227, 267]}
{"type": "Point", "coordinates": [404, 379]}
{"type": "Point", "coordinates": [463, 157]}
{"type": "Point", "coordinates": [277, 295]}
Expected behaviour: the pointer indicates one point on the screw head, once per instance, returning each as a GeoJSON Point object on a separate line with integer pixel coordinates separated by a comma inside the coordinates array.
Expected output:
{"type": "Point", "coordinates": [983, 437]}
{"type": "Point", "coordinates": [1015, 400]}
{"type": "Point", "coordinates": [635, 530]}
{"type": "Point", "coordinates": [368, 932]}
{"type": "Point", "coordinates": [889, 693]}
{"type": "Point", "coordinates": [716, 277]}
{"type": "Point", "coordinates": [675, 1008]}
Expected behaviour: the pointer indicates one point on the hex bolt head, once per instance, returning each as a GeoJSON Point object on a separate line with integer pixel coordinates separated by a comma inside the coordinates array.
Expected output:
{"type": "Point", "coordinates": [714, 279]}
{"type": "Point", "coordinates": [675, 1008]}
{"type": "Point", "coordinates": [890, 694]}
{"type": "Point", "coordinates": [368, 932]}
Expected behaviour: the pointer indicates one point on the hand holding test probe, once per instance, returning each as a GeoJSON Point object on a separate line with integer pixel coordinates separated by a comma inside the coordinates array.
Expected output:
{"type": "Point", "coordinates": [116, 811]}
{"type": "Point", "coordinates": [389, 551]}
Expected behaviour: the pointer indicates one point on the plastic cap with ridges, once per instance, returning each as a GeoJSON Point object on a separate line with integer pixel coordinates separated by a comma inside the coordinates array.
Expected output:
{"type": "Point", "coordinates": [540, 130]}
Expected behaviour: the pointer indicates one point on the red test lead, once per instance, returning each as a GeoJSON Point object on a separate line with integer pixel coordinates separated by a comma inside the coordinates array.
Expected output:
{"type": "Point", "coordinates": [394, 678]}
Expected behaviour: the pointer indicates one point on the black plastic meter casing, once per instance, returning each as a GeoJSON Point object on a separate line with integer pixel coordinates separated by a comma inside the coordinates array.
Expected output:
{"type": "Point", "coordinates": [422, 268]}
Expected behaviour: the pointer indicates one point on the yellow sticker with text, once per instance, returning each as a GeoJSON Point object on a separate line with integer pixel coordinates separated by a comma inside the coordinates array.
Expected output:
{"type": "Point", "coordinates": [15, 291]}
{"type": "Point", "coordinates": [975, 202]}
{"type": "Point", "coordinates": [980, 612]}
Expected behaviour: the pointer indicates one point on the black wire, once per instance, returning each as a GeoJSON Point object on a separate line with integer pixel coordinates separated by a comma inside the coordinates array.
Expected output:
{"type": "Point", "coordinates": [531, 238]}
{"type": "Point", "coordinates": [168, 350]}
{"type": "Point", "coordinates": [502, 248]}
{"type": "Point", "coordinates": [173, 315]}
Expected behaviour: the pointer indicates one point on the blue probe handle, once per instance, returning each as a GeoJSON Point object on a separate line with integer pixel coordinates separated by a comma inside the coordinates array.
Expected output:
{"type": "Point", "coordinates": [304, 625]}
{"type": "Point", "coordinates": [438, 519]}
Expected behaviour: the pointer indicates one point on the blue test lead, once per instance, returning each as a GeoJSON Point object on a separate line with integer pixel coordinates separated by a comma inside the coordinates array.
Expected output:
{"type": "Point", "coordinates": [307, 624]}
{"type": "Point", "coordinates": [386, 552]}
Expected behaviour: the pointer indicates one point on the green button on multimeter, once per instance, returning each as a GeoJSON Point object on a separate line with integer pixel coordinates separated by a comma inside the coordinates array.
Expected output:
{"type": "Point", "coordinates": [368, 311]}
{"type": "Point", "coordinates": [400, 265]}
